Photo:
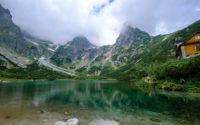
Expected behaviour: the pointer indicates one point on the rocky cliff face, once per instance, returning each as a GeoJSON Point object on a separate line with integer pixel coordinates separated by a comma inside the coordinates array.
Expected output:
{"type": "Point", "coordinates": [18, 46]}
{"type": "Point", "coordinates": [45, 48]}
{"type": "Point", "coordinates": [130, 35]}
{"type": "Point", "coordinates": [11, 36]}
{"type": "Point", "coordinates": [130, 42]}
{"type": "Point", "coordinates": [80, 43]}
{"type": "Point", "coordinates": [74, 51]}
{"type": "Point", "coordinates": [5, 17]}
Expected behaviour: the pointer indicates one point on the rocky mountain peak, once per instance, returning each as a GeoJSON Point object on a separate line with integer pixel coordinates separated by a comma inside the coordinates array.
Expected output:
{"type": "Point", "coordinates": [130, 35]}
{"type": "Point", "coordinates": [80, 42]}
{"type": "Point", "coordinates": [5, 17]}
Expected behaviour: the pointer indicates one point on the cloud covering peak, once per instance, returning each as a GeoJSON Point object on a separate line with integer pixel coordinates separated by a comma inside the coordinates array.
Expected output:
{"type": "Point", "coordinates": [100, 20]}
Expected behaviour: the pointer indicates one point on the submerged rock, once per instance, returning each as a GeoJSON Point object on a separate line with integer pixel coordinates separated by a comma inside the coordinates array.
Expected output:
{"type": "Point", "coordinates": [42, 111]}
{"type": "Point", "coordinates": [73, 121]}
{"type": "Point", "coordinates": [7, 117]}
{"type": "Point", "coordinates": [60, 123]}
{"type": "Point", "coordinates": [103, 122]}
{"type": "Point", "coordinates": [155, 119]}
{"type": "Point", "coordinates": [66, 114]}
{"type": "Point", "coordinates": [45, 120]}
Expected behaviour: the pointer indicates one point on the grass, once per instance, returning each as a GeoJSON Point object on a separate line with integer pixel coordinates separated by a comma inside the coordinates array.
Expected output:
{"type": "Point", "coordinates": [174, 75]}
{"type": "Point", "coordinates": [167, 86]}
{"type": "Point", "coordinates": [32, 72]}
{"type": "Point", "coordinates": [187, 69]}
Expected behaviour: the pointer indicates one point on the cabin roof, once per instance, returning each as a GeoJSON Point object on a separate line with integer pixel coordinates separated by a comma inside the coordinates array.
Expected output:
{"type": "Point", "coordinates": [185, 41]}
{"type": "Point", "coordinates": [191, 36]}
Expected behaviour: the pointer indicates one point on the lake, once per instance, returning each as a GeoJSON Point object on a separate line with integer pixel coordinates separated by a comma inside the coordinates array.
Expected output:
{"type": "Point", "coordinates": [94, 102]}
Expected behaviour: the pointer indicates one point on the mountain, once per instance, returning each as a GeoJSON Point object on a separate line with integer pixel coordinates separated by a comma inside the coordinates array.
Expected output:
{"type": "Point", "coordinates": [135, 54]}
{"type": "Point", "coordinates": [19, 52]}
{"type": "Point", "coordinates": [12, 43]}
{"type": "Point", "coordinates": [80, 43]}
{"type": "Point", "coordinates": [45, 48]}
{"type": "Point", "coordinates": [130, 35]}
{"type": "Point", "coordinates": [81, 56]}
{"type": "Point", "coordinates": [73, 51]}
{"type": "Point", "coordinates": [159, 55]}
{"type": "Point", "coordinates": [18, 46]}
{"type": "Point", "coordinates": [11, 36]}
{"type": "Point", "coordinates": [130, 42]}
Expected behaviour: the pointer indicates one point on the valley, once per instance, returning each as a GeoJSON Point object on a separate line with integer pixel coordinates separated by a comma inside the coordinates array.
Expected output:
{"type": "Point", "coordinates": [99, 62]}
{"type": "Point", "coordinates": [136, 56]}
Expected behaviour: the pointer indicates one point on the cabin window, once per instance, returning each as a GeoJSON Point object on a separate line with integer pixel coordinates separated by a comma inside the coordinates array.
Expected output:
{"type": "Point", "coordinates": [197, 37]}
{"type": "Point", "coordinates": [198, 47]}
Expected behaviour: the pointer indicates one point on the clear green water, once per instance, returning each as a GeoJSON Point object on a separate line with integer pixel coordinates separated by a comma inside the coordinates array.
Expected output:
{"type": "Point", "coordinates": [45, 102]}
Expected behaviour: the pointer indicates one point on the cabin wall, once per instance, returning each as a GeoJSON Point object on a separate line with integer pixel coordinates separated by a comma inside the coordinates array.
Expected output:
{"type": "Point", "coordinates": [191, 49]}
{"type": "Point", "coordinates": [183, 52]}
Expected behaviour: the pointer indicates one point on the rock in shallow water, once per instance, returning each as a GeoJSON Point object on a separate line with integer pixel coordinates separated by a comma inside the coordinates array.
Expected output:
{"type": "Point", "coordinates": [7, 117]}
{"type": "Point", "coordinates": [73, 121]}
{"type": "Point", "coordinates": [103, 122]}
{"type": "Point", "coordinates": [66, 113]}
{"type": "Point", "coordinates": [155, 119]}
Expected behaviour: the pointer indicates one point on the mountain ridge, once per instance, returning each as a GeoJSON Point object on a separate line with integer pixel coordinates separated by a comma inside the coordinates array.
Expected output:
{"type": "Point", "coordinates": [133, 48]}
{"type": "Point", "coordinates": [80, 42]}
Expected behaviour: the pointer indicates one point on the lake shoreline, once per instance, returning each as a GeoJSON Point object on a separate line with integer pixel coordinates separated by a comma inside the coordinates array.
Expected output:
{"type": "Point", "coordinates": [6, 80]}
{"type": "Point", "coordinates": [46, 102]}
{"type": "Point", "coordinates": [167, 86]}
{"type": "Point", "coordinates": [159, 85]}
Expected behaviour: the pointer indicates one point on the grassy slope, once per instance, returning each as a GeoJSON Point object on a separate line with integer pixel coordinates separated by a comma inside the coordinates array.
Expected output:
{"type": "Point", "coordinates": [33, 71]}
{"type": "Point", "coordinates": [158, 60]}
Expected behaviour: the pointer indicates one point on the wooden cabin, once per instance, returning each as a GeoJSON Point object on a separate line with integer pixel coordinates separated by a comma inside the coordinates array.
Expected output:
{"type": "Point", "coordinates": [190, 47]}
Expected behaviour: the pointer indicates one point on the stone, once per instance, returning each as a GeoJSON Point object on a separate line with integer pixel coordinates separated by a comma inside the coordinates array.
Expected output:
{"type": "Point", "coordinates": [103, 122]}
{"type": "Point", "coordinates": [60, 123]}
{"type": "Point", "coordinates": [155, 119]}
{"type": "Point", "coordinates": [42, 111]}
{"type": "Point", "coordinates": [72, 121]}
{"type": "Point", "coordinates": [66, 113]}
{"type": "Point", "coordinates": [7, 117]}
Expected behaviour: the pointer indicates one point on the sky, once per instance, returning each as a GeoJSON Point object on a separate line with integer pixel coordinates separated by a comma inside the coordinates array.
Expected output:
{"type": "Point", "coordinates": [100, 20]}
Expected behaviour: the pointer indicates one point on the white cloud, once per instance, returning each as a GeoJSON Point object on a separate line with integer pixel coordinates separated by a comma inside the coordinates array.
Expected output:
{"type": "Point", "coordinates": [100, 21]}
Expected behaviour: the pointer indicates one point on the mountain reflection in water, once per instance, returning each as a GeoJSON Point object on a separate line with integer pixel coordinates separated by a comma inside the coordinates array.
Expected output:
{"type": "Point", "coordinates": [111, 97]}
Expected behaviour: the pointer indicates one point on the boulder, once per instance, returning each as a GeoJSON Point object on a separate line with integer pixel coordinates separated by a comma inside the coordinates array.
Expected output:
{"type": "Point", "coordinates": [72, 121]}
{"type": "Point", "coordinates": [103, 122]}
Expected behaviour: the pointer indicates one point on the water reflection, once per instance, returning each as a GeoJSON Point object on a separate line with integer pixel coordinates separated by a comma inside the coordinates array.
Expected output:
{"type": "Point", "coordinates": [104, 95]}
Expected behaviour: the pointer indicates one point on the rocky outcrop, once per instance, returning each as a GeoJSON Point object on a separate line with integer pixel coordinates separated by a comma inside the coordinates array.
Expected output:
{"type": "Point", "coordinates": [11, 36]}
{"type": "Point", "coordinates": [130, 43]}
{"type": "Point", "coordinates": [18, 46]}
{"type": "Point", "coordinates": [45, 48]}
{"type": "Point", "coordinates": [130, 35]}
{"type": "Point", "coordinates": [10, 57]}
{"type": "Point", "coordinates": [77, 49]}
{"type": "Point", "coordinates": [5, 17]}
{"type": "Point", "coordinates": [80, 43]}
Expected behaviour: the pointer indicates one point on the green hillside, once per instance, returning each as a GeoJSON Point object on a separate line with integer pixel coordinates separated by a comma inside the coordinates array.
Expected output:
{"type": "Point", "coordinates": [158, 60]}
{"type": "Point", "coordinates": [31, 72]}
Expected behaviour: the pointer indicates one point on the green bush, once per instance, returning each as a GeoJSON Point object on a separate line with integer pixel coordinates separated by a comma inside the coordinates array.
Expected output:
{"type": "Point", "coordinates": [33, 71]}
{"type": "Point", "coordinates": [185, 68]}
